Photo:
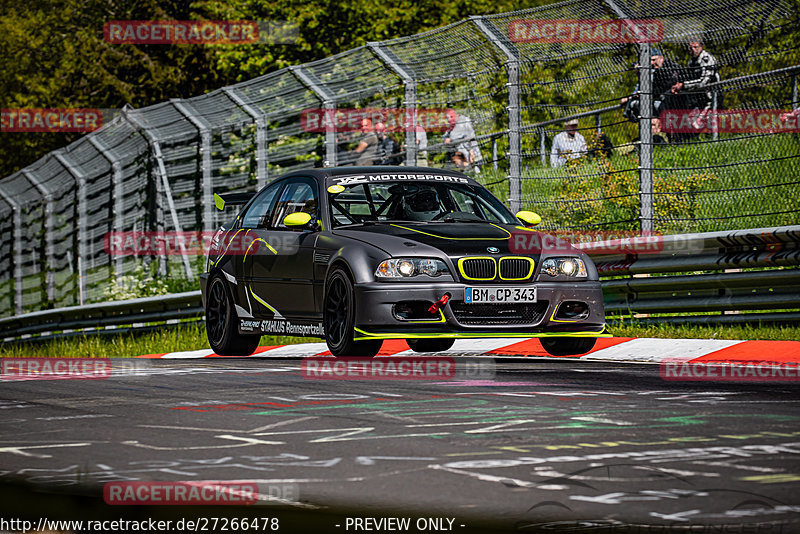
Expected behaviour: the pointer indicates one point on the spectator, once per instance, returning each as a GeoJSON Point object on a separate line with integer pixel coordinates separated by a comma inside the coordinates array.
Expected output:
{"type": "Point", "coordinates": [569, 144]}
{"type": "Point", "coordinates": [701, 70]}
{"type": "Point", "coordinates": [665, 75]}
{"type": "Point", "coordinates": [460, 141]}
{"type": "Point", "coordinates": [388, 149]}
{"type": "Point", "coordinates": [367, 150]}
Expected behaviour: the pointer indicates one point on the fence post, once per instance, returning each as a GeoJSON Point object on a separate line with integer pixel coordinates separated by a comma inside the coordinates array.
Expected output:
{"type": "Point", "coordinates": [262, 154]}
{"type": "Point", "coordinates": [795, 103]}
{"type": "Point", "coordinates": [514, 111]}
{"type": "Point", "coordinates": [117, 192]}
{"type": "Point", "coordinates": [645, 140]}
{"type": "Point", "coordinates": [204, 129]}
{"type": "Point", "coordinates": [16, 210]}
{"type": "Point", "coordinates": [163, 186]}
{"type": "Point", "coordinates": [80, 180]}
{"type": "Point", "coordinates": [410, 103]}
{"type": "Point", "coordinates": [49, 247]}
{"type": "Point", "coordinates": [329, 101]}
{"type": "Point", "coordinates": [542, 146]}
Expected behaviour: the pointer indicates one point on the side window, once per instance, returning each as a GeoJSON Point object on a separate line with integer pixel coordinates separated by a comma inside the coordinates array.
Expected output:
{"type": "Point", "coordinates": [298, 196]}
{"type": "Point", "coordinates": [257, 214]}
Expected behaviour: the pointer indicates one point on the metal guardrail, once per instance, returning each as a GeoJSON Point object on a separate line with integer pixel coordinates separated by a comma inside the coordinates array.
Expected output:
{"type": "Point", "coordinates": [775, 286]}
{"type": "Point", "coordinates": [107, 317]}
{"type": "Point", "coordinates": [776, 251]}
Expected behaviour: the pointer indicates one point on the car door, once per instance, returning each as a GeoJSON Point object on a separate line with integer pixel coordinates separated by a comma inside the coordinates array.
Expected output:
{"type": "Point", "coordinates": [280, 274]}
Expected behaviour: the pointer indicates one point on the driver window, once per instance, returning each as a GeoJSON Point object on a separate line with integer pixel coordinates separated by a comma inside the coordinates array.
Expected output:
{"type": "Point", "coordinates": [258, 214]}
{"type": "Point", "coordinates": [298, 196]}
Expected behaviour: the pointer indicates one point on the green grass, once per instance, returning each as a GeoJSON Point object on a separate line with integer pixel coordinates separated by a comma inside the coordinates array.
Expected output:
{"type": "Point", "coordinates": [174, 339]}
{"type": "Point", "coordinates": [679, 331]}
{"type": "Point", "coordinates": [193, 337]}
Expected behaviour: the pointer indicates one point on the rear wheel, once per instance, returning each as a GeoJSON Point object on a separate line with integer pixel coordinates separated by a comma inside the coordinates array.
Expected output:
{"type": "Point", "coordinates": [430, 345]}
{"type": "Point", "coordinates": [223, 332]}
{"type": "Point", "coordinates": [339, 318]}
{"type": "Point", "coordinates": [567, 346]}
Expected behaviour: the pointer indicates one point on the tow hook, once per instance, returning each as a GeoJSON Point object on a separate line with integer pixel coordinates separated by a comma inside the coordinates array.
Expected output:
{"type": "Point", "coordinates": [439, 303]}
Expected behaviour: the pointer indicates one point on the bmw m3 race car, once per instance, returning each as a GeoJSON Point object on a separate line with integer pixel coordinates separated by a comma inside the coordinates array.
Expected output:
{"type": "Point", "coordinates": [356, 255]}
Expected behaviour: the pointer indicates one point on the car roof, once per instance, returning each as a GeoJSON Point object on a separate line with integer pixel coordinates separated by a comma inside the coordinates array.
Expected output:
{"type": "Point", "coordinates": [334, 175]}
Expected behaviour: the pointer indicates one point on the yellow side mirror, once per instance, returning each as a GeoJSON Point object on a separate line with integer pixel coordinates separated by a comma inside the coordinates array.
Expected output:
{"type": "Point", "coordinates": [528, 217]}
{"type": "Point", "coordinates": [219, 202]}
{"type": "Point", "coordinates": [297, 218]}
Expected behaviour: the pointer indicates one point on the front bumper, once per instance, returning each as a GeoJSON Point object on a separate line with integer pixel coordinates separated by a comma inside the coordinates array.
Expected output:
{"type": "Point", "coordinates": [376, 318]}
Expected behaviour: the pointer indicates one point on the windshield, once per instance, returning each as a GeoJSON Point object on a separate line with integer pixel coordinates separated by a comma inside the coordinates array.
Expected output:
{"type": "Point", "coordinates": [404, 201]}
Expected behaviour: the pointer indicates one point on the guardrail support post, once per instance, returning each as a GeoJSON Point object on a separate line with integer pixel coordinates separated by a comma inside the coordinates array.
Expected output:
{"type": "Point", "coordinates": [410, 104]}
{"type": "Point", "coordinates": [645, 140]}
{"type": "Point", "coordinates": [514, 111]}
{"type": "Point", "coordinates": [80, 180]}
{"type": "Point", "coordinates": [329, 101]}
{"type": "Point", "coordinates": [262, 153]}
{"type": "Point", "coordinates": [795, 103]}
{"type": "Point", "coordinates": [16, 210]}
{"type": "Point", "coordinates": [204, 129]}
{"type": "Point", "coordinates": [117, 193]}
{"type": "Point", "coordinates": [49, 247]}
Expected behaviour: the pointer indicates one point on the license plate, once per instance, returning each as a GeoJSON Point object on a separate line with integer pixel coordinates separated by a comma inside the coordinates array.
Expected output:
{"type": "Point", "coordinates": [499, 295]}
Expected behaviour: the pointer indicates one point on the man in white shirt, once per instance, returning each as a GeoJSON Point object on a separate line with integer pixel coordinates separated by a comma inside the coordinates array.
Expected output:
{"type": "Point", "coordinates": [569, 144]}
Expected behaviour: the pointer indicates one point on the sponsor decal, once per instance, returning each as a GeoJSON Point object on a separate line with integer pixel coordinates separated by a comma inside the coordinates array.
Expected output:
{"type": "Point", "coordinates": [619, 31]}
{"type": "Point", "coordinates": [30, 120]}
{"type": "Point", "coordinates": [199, 32]}
{"type": "Point", "coordinates": [732, 371]}
{"type": "Point", "coordinates": [281, 326]}
{"type": "Point", "coordinates": [367, 178]}
{"type": "Point", "coordinates": [55, 368]}
{"type": "Point", "coordinates": [730, 121]}
{"type": "Point", "coordinates": [321, 120]}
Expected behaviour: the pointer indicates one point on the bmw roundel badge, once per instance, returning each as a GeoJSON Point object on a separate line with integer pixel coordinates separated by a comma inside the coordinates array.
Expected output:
{"type": "Point", "coordinates": [493, 250]}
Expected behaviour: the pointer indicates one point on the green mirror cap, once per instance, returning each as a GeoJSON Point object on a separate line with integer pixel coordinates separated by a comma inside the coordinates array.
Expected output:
{"type": "Point", "coordinates": [298, 218]}
{"type": "Point", "coordinates": [529, 217]}
{"type": "Point", "coordinates": [219, 202]}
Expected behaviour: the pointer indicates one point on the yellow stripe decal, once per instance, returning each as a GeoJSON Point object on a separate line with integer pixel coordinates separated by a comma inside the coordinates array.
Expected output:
{"type": "Point", "coordinates": [471, 335]}
{"type": "Point", "coordinates": [460, 238]}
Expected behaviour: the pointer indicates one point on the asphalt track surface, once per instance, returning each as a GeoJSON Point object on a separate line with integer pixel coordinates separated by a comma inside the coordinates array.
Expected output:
{"type": "Point", "coordinates": [543, 445]}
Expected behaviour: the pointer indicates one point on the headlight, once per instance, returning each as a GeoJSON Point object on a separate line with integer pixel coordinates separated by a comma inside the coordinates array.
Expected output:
{"type": "Point", "coordinates": [407, 267]}
{"type": "Point", "coordinates": [573, 267]}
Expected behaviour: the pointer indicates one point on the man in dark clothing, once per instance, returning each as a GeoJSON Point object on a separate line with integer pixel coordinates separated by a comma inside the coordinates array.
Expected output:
{"type": "Point", "coordinates": [667, 75]}
{"type": "Point", "coordinates": [388, 149]}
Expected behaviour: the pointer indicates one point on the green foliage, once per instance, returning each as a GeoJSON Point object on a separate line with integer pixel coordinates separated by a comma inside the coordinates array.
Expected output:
{"type": "Point", "coordinates": [140, 283]}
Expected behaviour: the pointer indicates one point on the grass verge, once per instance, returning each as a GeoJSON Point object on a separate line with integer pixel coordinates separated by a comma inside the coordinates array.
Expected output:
{"type": "Point", "coordinates": [193, 337]}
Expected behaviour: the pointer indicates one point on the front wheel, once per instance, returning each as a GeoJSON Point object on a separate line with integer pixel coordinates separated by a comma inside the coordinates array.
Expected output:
{"type": "Point", "coordinates": [339, 318]}
{"type": "Point", "coordinates": [567, 346]}
{"type": "Point", "coordinates": [430, 345]}
{"type": "Point", "coordinates": [223, 332]}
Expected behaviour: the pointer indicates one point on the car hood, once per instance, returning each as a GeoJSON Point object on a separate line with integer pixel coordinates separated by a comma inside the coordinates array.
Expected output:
{"type": "Point", "coordinates": [454, 239]}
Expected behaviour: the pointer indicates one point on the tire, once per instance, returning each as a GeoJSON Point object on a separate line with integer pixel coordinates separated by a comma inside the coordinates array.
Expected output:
{"type": "Point", "coordinates": [567, 346]}
{"type": "Point", "coordinates": [339, 315]}
{"type": "Point", "coordinates": [221, 328]}
{"type": "Point", "coordinates": [430, 345]}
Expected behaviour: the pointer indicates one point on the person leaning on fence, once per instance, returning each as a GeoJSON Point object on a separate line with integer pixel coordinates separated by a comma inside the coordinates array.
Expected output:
{"type": "Point", "coordinates": [569, 144]}
{"type": "Point", "coordinates": [462, 145]}
{"type": "Point", "coordinates": [388, 149]}
{"type": "Point", "coordinates": [367, 150]}
{"type": "Point", "coordinates": [701, 70]}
